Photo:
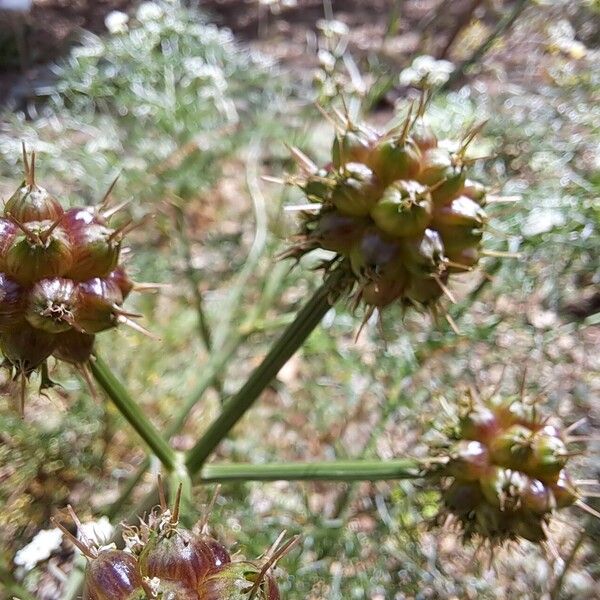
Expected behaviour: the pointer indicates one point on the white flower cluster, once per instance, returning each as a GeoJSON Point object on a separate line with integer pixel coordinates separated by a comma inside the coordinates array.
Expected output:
{"type": "Point", "coordinates": [426, 71]}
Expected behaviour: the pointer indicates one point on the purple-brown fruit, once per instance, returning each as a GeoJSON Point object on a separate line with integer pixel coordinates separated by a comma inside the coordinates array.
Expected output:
{"type": "Point", "coordinates": [26, 348]}
{"type": "Point", "coordinates": [462, 497]}
{"type": "Point", "coordinates": [175, 555]}
{"type": "Point", "coordinates": [51, 305]}
{"type": "Point", "coordinates": [337, 232]}
{"type": "Point", "coordinates": [374, 252]}
{"type": "Point", "coordinates": [97, 305]}
{"type": "Point", "coordinates": [8, 233]}
{"type": "Point", "coordinates": [113, 575]}
{"type": "Point", "coordinates": [236, 581]}
{"type": "Point", "coordinates": [33, 203]}
{"type": "Point", "coordinates": [120, 278]}
{"type": "Point", "coordinates": [95, 250]}
{"type": "Point", "coordinates": [382, 291]}
{"type": "Point", "coordinates": [425, 290]}
{"type": "Point", "coordinates": [480, 424]}
{"type": "Point", "coordinates": [564, 490]}
{"type": "Point", "coordinates": [74, 347]}
{"type": "Point", "coordinates": [537, 498]}
{"type": "Point", "coordinates": [11, 303]}
{"type": "Point", "coordinates": [469, 460]}
{"type": "Point", "coordinates": [460, 212]}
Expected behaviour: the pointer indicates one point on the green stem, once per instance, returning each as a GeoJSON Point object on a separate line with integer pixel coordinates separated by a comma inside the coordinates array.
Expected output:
{"type": "Point", "coordinates": [132, 412]}
{"type": "Point", "coordinates": [287, 345]}
{"type": "Point", "coordinates": [210, 373]}
{"type": "Point", "coordinates": [343, 470]}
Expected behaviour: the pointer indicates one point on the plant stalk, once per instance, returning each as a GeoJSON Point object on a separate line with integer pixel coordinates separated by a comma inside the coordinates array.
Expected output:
{"type": "Point", "coordinates": [287, 345]}
{"type": "Point", "coordinates": [115, 390]}
{"type": "Point", "coordinates": [343, 470]}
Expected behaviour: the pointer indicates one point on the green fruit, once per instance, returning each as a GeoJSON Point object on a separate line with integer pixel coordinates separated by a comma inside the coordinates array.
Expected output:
{"type": "Point", "coordinates": [474, 190]}
{"type": "Point", "coordinates": [395, 159]}
{"type": "Point", "coordinates": [512, 448]}
{"type": "Point", "coordinates": [444, 178]}
{"type": "Point", "coordinates": [44, 251]}
{"type": "Point", "coordinates": [503, 488]}
{"type": "Point", "coordinates": [315, 188]}
{"type": "Point", "coordinates": [236, 581]}
{"type": "Point", "coordinates": [356, 191]}
{"type": "Point", "coordinates": [353, 146]}
{"type": "Point", "coordinates": [548, 457]}
{"type": "Point", "coordinates": [403, 210]}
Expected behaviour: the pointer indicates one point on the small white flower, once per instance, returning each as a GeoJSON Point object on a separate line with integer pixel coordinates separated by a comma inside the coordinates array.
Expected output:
{"type": "Point", "coordinates": [326, 60]}
{"type": "Point", "coordinates": [39, 549]}
{"type": "Point", "coordinates": [149, 11]}
{"type": "Point", "coordinates": [116, 22]}
{"type": "Point", "coordinates": [99, 531]}
{"type": "Point", "coordinates": [426, 70]}
{"type": "Point", "coordinates": [333, 27]}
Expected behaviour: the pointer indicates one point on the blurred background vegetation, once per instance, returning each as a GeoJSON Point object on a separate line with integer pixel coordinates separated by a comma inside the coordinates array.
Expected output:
{"type": "Point", "coordinates": [191, 105]}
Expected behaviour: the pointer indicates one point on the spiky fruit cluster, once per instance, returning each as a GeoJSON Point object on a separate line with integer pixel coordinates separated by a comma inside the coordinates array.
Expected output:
{"type": "Point", "coordinates": [60, 278]}
{"type": "Point", "coordinates": [398, 207]}
{"type": "Point", "coordinates": [165, 561]}
{"type": "Point", "coordinates": [505, 471]}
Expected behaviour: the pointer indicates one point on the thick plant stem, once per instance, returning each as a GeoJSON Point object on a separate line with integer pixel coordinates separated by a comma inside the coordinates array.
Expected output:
{"type": "Point", "coordinates": [343, 470]}
{"type": "Point", "coordinates": [287, 345]}
{"type": "Point", "coordinates": [115, 390]}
